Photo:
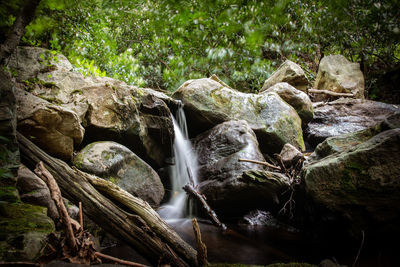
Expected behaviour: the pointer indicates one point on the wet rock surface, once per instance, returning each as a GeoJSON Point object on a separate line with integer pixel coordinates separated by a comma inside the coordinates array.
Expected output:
{"type": "Point", "coordinates": [345, 116]}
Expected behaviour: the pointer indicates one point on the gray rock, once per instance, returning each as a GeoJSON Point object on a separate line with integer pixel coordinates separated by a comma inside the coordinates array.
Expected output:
{"type": "Point", "coordinates": [290, 155]}
{"type": "Point", "coordinates": [208, 103]}
{"type": "Point", "coordinates": [33, 190]}
{"type": "Point", "coordinates": [337, 74]}
{"type": "Point", "coordinates": [288, 72]}
{"type": "Point", "coordinates": [296, 98]}
{"type": "Point", "coordinates": [361, 183]}
{"type": "Point", "coordinates": [121, 166]}
{"type": "Point", "coordinates": [229, 185]}
{"type": "Point", "coordinates": [53, 128]}
{"type": "Point", "coordinates": [345, 116]}
{"type": "Point", "coordinates": [28, 62]}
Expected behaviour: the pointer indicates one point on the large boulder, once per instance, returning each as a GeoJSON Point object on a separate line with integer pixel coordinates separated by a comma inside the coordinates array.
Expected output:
{"type": "Point", "coordinates": [345, 116]}
{"type": "Point", "coordinates": [337, 74]}
{"type": "Point", "coordinates": [361, 183]}
{"type": "Point", "coordinates": [28, 62]}
{"type": "Point", "coordinates": [108, 109]}
{"type": "Point", "coordinates": [208, 102]}
{"type": "Point", "coordinates": [121, 166]}
{"type": "Point", "coordinates": [340, 143]}
{"type": "Point", "coordinates": [296, 98]}
{"type": "Point", "coordinates": [232, 186]}
{"type": "Point", "coordinates": [288, 72]}
{"type": "Point", "coordinates": [53, 128]}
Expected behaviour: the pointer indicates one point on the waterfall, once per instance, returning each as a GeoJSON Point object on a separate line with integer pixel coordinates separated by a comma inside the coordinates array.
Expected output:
{"type": "Point", "coordinates": [185, 163]}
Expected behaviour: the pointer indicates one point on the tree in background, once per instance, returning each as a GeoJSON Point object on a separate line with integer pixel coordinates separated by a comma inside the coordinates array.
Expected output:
{"type": "Point", "coordinates": [161, 44]}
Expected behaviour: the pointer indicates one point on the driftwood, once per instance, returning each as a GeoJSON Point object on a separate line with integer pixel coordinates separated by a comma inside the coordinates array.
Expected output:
{"type": "Point", "coordinates": [213, 216]}
{"type": "Point", "coordinates": [261, 163]}
{"type": "Point", "coordinates": [327, 92]}
{"type": "Point", "coordinates": [116, 260]}
{"type": "Point", "coordinates": [200, 246]}
{"type": "Point", "coordinates": [154, 243]}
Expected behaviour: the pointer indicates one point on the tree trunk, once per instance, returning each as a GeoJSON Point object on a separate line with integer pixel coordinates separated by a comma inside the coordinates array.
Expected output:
{"type": "Point", "coordinates": [149, 235]}
{"type": "Point", "coordinates": [18, 29]}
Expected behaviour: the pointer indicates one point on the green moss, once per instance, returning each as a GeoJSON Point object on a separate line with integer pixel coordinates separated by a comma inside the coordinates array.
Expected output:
{"type": "Point", "coordinates": [21, 217]}
{"type": "Point", "coordinates": [78, 161]}
{"type": "Point", "coordinates": [77, 91]}
{"type": "Point", "coordinates": [113, 179]}
{"type": "Point", "coordinates": [9, 194]}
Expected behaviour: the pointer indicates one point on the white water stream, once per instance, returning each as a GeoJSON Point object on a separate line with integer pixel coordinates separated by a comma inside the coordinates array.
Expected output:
{"type": "Point", "coordinates": [185, 163]}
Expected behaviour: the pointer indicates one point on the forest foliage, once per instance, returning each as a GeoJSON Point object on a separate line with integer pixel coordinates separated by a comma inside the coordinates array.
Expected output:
{"type": "Point", "coordinates": [162, 43]}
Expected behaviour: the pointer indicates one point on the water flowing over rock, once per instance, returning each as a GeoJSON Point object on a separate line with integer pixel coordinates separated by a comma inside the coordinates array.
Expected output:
{"type": "Point", "coordinates": [53, 128]}
{"type": "Point", "coordinates": [290, 73]}
{"type": "Point", "coordinates": [208, 103]}
{"type": "Point", "coordinates": [229, 185]}
{"type": "Point", "coordinates": [121, 166]}
{"type": "Point", "coordinates": [361, 183]}
{"type": "Point", "coordinates": [108, 109]}
{"type": "Point", "coordinates": [337, 74]}
{"type": "Point", "coordinates": [296, 98]}
{"type": "Point", "coordinates": [345, 116]}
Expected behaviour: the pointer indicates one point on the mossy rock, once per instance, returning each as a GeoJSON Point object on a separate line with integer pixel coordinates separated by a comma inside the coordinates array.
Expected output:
{"type": "Point", "coordinates": [24, 229]}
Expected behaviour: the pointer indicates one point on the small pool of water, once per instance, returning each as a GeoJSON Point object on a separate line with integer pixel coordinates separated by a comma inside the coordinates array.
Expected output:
{"type": "Point", "coordinates": [262, 245]}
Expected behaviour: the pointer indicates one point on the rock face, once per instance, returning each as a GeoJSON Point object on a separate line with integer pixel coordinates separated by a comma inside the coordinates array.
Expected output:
{"type": "Point", "coordinates": [288, 72]}
{"type": "Point", "coordinates": [296, 98]}
{"type": "Point", "coordinates": [53, 128]}
{"type": "Point", "coordinates": [361, 183]}
{"type": "Point", "coordinates": [231, 186]}
{"type": "Point", "coordinates": [345, 116]}
{"type": "Point", "coordinates": [290, 155]}
{"type": "Point", "coordinates": [108, 109]}
{"type": "Point", "coordinates": [208, 103]}
{"type": "Point", "coordinates": [337, 74]}
{"type": "Point", "coordinates": [121, 166]}
{"type": "Point", "coordinates": [340, 143]}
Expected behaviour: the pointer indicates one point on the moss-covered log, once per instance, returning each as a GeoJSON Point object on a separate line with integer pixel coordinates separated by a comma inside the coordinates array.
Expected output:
{"type": "Point", "coordinates": [143, 229]}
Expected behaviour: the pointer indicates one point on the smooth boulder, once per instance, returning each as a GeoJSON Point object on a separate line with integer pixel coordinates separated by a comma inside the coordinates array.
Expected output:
{"type": "Point", "coordinates": [118, 164]}
{"type": "Point", "coordinates": [345, 116]}
{"type": "Point", "coordinates": [299, 100]}
{"type": "Point", "coordinates": [208, 103]}
{"type": "Point", "coordinates": [232, 186]}
{"type": "Point", "coordinates": [290, 73]}
{"type": "Point", "coordinates": [337, 74]}
{"type": "Point", "coordinates": [361, 183]}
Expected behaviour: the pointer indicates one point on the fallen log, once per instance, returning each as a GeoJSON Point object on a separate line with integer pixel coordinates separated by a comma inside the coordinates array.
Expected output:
{"type": "Point", "coordinates": [261, 163]}
{"type": "Point", "coordinates": [327, 92]}
{"type": "Point", "coordinates": [157, 246]}
{"type": "Point", "coordinates": [213, 216]}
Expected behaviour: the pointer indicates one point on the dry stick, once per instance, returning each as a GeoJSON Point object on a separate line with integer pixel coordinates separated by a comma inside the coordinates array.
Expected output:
{"type": "Point", "coordinates": [261, 163]}
{"type": "Point", "coordinates": [201, 247]}
{"type": "Point", "coordinates": [359, 250]}
{"type": "Point", "coordinates": [55, 192]}
{"type": "Point", "coordinates": [80, 215]}
{"type": "Point", "coordinates": [191, 191]}
{"type": "Point", "coordinates": [124, 262]}
{"type": "Point", "coordinates": [326, 92]}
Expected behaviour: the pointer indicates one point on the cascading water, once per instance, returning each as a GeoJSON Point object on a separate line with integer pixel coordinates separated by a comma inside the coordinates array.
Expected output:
{"type": "Point", "coordinates": [184, 167]}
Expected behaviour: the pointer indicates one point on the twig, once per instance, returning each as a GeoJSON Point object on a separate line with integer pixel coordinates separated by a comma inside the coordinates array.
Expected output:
{"type": "Point", "coordinates": [124, 262]}
{"type": "Point", "coordinates": [201, 247]}
{"type": "Point", "coordinates": [80, 215]}
{"type": "Point", "coordinates": [261, 163]}
{"type": "Point", "coordinates": [359, 250]}
{"type": "Point", "coordinates": [326, 92]}
{"type": "Point", "coordinates": [213, 216]}
{"type": "Point", "coordinates": [55, 192]}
